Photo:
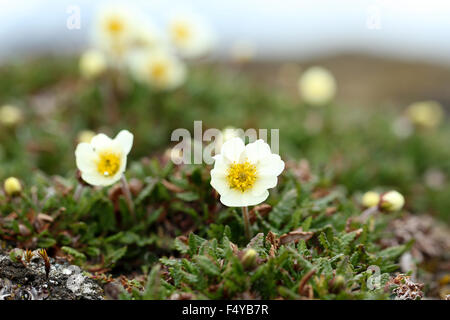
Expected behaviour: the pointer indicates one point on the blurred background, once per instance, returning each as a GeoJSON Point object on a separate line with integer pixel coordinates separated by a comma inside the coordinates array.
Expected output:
{"type": "Point", "coordinates": [375, 59]}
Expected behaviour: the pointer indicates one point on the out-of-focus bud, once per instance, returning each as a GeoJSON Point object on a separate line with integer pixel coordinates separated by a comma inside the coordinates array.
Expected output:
{"type": "Point", "coordinates": [317, 86]}
{"type": "Point", "coordinates": [249, 258]}
{"type": "Point", "coordinates": [10, 115]}
{"type": "Point", "coordinates": [370, 199]}
{"type": "Point", "coordinates": [12, 186]}
{"type": "Point", "coordinates": [85, 136]}
{"type": "Point", "coordinates": [92, 64]}
{"type": "Point", "coordinates": [392, 201]}
{"type": "Point", "coordinates": [339, 282]}
{"type": "Point", "coordinates": [427, 114]}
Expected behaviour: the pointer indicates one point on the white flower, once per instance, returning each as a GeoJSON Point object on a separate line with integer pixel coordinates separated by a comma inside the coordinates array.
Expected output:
{"type": "Point", "coordinates": [190, 34]}
{"type": "Point", "coordinates": [317, 86]}
{"type": "Point", "coordinates": [158, 68]}
{"type": "Point", "coordinates": [392, 201]}
{"type": "Point", "coordinates": [242, 174]}
{"type": "Point", "coordinates": [427, 114]}
{"type": "Point", "coordinates": [370, 199]}
{"type": "Point", "coordinates": [103, 161]}
{"type": "Point", "coordinates": [92, 63]}
{"type": "Point", "coordinates": [145, 35]}
{"type": "Point", "coordinates": [114, 32]}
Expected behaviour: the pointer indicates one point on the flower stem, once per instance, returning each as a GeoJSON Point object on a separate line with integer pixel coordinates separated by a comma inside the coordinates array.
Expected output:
{"type": "Point", "coordinates": [248, 232]}
{"type": "Point", "coordinates": [78, 192]}
{"type": "Point", "coordinates": [367, 213]}
{"type": "Point", "coordinates": [126, 191]}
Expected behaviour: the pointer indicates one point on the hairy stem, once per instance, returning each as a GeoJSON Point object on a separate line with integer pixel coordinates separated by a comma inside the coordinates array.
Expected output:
{"type": "Point", "coordinates": [248, 232]}
{"type": "Point", "coordinates": [126, 191]}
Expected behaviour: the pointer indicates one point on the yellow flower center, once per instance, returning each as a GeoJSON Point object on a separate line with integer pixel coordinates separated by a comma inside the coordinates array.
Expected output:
{"type": "Point", "coordinates": [241, 176]}
{"type": "Point", "coordinates": [181, 32]}
{"type": "Point", "coordinates": [115, 26]}
{"type": "Point", "coordinates": [158, 71]}
{"type": "Point", "coordinates": [108, 164]}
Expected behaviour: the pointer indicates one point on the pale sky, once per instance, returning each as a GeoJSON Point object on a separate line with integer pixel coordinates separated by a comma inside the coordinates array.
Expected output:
{"type": "Point", "coordinates": [278, 29]}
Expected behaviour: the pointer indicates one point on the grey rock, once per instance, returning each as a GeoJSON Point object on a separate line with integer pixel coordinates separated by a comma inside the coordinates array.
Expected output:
{"type": "Point", "coordinates": [27, 281]}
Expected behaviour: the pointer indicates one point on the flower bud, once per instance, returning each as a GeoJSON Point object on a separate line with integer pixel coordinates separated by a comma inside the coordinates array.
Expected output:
{"type": "Point", "coordinates": [249, 258]}
{"type": "Point", "coordinates": [427, 114]}
{"type": "Point", "coordinates": [339, 282]}
{"type": "Point", "coordinates": [12, 186]}
{"type": "Point", "coordinates": [392, 201]}
{"type": "Point", "coordinates": [10, 115]}
{"type": "Point", "coordinates": [317, 86]}
{"type": "Point", "coordinates": [370, 199]}
{"type": "Point", "coordinates": [85, 136]}
{"type": "Point", "coordinates": [92, 64]}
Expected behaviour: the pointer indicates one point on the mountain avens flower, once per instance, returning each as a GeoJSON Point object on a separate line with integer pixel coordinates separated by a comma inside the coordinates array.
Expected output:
{"type": "Point", "coordinates": [391, 201]}
{"type": "Point", "coordinates": [427, 114]}
{"type": "Point", "coordinates": [113, 33]}
{"type": "Point", "coordinates": [92, 63]}
{"type": "Point", "coordinates": [370, 199]}
{"type": "Point", "coordinates": [12, 186]}
{"type": "Point", "coordinates": [317, 86]}
{"type": "Point", "coordinates": [190, 34]}
{"type": "Point", "coordinates": [103, 161]}
{"type": "Point", "coordinates": [159, 69]}
{"type": "Point", "coordinates": [242, 174]}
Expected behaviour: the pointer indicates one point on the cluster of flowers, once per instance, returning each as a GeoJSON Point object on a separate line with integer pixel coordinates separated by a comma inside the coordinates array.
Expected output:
{"type": "Point", "coordinates": [125, 40]}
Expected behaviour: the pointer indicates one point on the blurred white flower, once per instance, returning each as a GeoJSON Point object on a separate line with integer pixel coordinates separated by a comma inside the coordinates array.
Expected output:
{"type": "Point", "coordinates": [370, 199]}
{"type": "Point", "coordinates": [103, 161]}
{"type": "Point", "coordinates": [317, 86]}
{"type": "Point", "coordinates": [10, 115]}
{"type": "Point", "coordinates": [243, 173]}
{"type": "Point", "coordinates": [434, 178]}
{"type": "Point", "coordinates": [146, 35]}
{"type": "Point", "coordinates": [158, 68]}
{"type": "Point", "coordinates": [92, 63]}
{"type": "Point", "coordinates": [113, 34]}
{"type": "Point", "coordinates": [392, 201]}
{"type": "Point", "coordinates": [402, 127]}
{"type": "Point", "coordinates": [427, 114]}
{"type": "Point", "coordinates": [190, 34]}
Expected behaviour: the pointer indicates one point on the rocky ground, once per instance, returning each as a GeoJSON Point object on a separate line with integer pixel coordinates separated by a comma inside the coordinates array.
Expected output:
{"type": "Point", "coordinates": [23, 280]}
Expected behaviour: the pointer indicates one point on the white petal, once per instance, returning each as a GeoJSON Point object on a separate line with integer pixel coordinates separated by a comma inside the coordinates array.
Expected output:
{"type": "Point", "coordinates": [97, 179]}
{"type": "Point", "coordinates": [232, 149]}
{"type": "Point", "coordinates": [220, 184]}
{"type": "Point", "coordinates": [257, 150]}
{"type": "Point", "coordinates": [262, 184]}
{"type": "Point", "coordinates": [232, 199]}
{"type": "Point", "coordinates": [85, 157]}
{"type": "Point", "coordinates": [252, 200]}
{"type": "Point", "coordinates": [101, 141]}
{"type": "Point", "coordinates": [125, 139]}
{"type": "Point", "coordinates": [239, 199]}
{"type": "Point", "coordinates": [271, 165]}
{"type": "Point", "coordinates": [220, 165]}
